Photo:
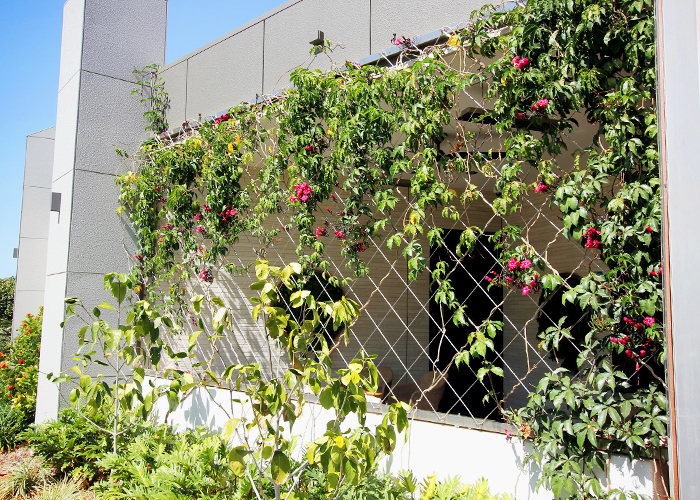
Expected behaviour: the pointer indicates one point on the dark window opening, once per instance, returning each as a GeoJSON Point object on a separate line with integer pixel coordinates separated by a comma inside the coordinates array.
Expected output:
{"type": "Point", "coordinates": [465, 393]}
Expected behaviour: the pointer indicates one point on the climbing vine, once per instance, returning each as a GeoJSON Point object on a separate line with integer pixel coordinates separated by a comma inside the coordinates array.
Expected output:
{"type": "Point", "coordinates": [321, 162]}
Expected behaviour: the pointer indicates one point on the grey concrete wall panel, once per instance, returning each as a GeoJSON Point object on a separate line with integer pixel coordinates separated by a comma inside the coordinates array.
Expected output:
{"type": "Point", "coordinates": [95, 113]}
{"type": "Point", "coordinates": [138, 27]}
{"type": "Point", "coordinates": [35, 211]}
{"type": "Point", "coordinates": [175, 81]}
{"type": "Point", "coordinates": [28, 302]}
{"type": "Point", "coordinates": [71, 40]}
{"type": "Point", "coordinates": [414, 18]}
{"type": "Point", "coordinates": [31, 268]}
{"type": "Point", "coordinates": [226, 73]}
{"type": "Point", "coordinates": [109, 116]}
{"type": "Point", "coordinates": [39, 153]}
{"type": "Point", "coordinates": [34, 225]}
{"type": "Point", "coordinates": [288, 33]}
{"type": "Point", "coordinates": [98, 243]}
{"type": "Point", "coordinates": [230, 69]}
{"type": "Point", "coordinates": [47, 133]}
{"type": "Point", "coordinates": [679, 98]}
{"type": "Point", "coordinates": [66, 127]}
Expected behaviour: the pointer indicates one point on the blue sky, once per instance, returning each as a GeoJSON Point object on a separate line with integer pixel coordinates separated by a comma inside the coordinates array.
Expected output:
{"type": "Point", "coordinates": [31, 38]}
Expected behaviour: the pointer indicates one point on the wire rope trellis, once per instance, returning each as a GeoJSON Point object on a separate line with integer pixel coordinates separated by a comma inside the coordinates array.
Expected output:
{"type": "Point", "coordinates": [411, 322]}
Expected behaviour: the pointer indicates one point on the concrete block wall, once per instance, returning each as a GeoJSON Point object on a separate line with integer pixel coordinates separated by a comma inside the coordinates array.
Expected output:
{"type": "Point", "coordinates": [34, 225]}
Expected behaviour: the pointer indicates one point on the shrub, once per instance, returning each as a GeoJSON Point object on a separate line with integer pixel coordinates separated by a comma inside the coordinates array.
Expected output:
{"type": "Point", "coordinates": [72, 445]}
{"type": "Point", "coordinates": [24, 478]}
{"type": "Point", "coordinates": [159, 464]}
{"type": "Point", "coordinates": [19, 367]}
{"type": "Point", "coordinates": [12, 422]}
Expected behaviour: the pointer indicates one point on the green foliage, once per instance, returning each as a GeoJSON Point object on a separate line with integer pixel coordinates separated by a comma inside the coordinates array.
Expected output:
{"type": "Point", "coordinates": [12, 422]}
{"type": "Point", "coordinates": [322, 288]}
{"type": "Point", "coordinates": [74, 443]}
{"type": "Point", "coordinates": [24, 478]}
{"type": "Point", "coordinates": [7, 301]}
{"type": "Point", "coordinates": [116, 351]}
{"type": "Point", "coordinates": [348, 136]}
{"type": "Point", "coordinates": [19, 367]}
{"type": "Point", "coordinates": [151, 92]}
{"type": "Point", "coordinates": [65, 489]}
{"type": "Point", "coordinates": [160, 464]}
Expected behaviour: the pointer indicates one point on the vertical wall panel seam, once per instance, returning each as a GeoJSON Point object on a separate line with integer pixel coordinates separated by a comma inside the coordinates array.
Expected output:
{"type": "Point", "coordinates": [262, 91]}
{"type": "Point", "coordinates": [187, 83]}
{"type": "Point", "coordinates": [165, 45]}
{"type": "Point", "coordinates": [370, 27]}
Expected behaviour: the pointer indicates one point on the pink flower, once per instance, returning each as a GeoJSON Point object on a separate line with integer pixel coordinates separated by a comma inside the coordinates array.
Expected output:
{"type": "Point", "coordinates": [513, 264]}
{"type": "Point", "coordinates": [525, 264]}
{"type": "Point", "coordinates": [642, 352]}
{"type": "Point", "coordinates": [649, 321]}
{"type": "Point", "coordinates": [321, 231]}
{"type": "Point", "coordinates": [542, 103]}
{"type": "Point", "coordinates": [509, 278]}
{"type": "Point", "coordinates": [520, 63]}
{"type": "Point", "coordinates": [487, 278]}
{"type": "Point", "coordinates": [198, 217]}
{"type": "Point", "coordinates": [613, 340]}
{"type": "Point", "coordinates": [541, 187]}
{"type": "Point", "coordinates": [649, 229]}
{"type": "Point", "coordinates": [526, 290]}
{"type": "Point", "coordinates": [508, 436]}
{"type": "Point", "coordinates": [533, 283]}
{"type": "Point", "coordinates": [199, 229]}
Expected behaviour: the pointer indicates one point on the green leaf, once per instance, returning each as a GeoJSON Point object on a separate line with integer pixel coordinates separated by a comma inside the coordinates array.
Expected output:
{"type": "Point", "coordinates": [236, 460]}
{"type": "Point", "coordinates": [229, 428]}
{"type": "Point", "coordinates": [280, 466]}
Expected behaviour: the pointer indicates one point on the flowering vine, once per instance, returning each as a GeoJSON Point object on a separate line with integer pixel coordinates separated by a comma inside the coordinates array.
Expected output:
{"type": "Point", "coordinates": [350, 136]}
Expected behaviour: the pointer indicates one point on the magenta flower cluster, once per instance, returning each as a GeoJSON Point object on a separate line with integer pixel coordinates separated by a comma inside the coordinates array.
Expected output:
{"type": "Point", "coordinates": [222, 118]}
{"type": "Point", "coordinates": [541, 187]}
{"type": "Point", "coordinates": [206, 275]}
{"type": "Point", "coordinates": [303, 193]}
{"type": "Point", "coordinates": [228, 213]}
{"type": "Point", "coordinates": [540, 105]}
{"type": "Point", "coordinates": [520, 63]}
{"type": "Point", "coordinates": [592, 238]}
{"type": "Point", "coordinates": [518, 275]}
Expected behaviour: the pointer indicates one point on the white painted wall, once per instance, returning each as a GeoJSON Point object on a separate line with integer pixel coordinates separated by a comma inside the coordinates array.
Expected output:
{"type": "Point", "coordinates": [431, 448]}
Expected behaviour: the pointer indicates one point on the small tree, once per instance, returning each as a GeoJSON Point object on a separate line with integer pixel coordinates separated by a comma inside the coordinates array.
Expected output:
{"type": "Point", "coordinates": [262, 442]}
